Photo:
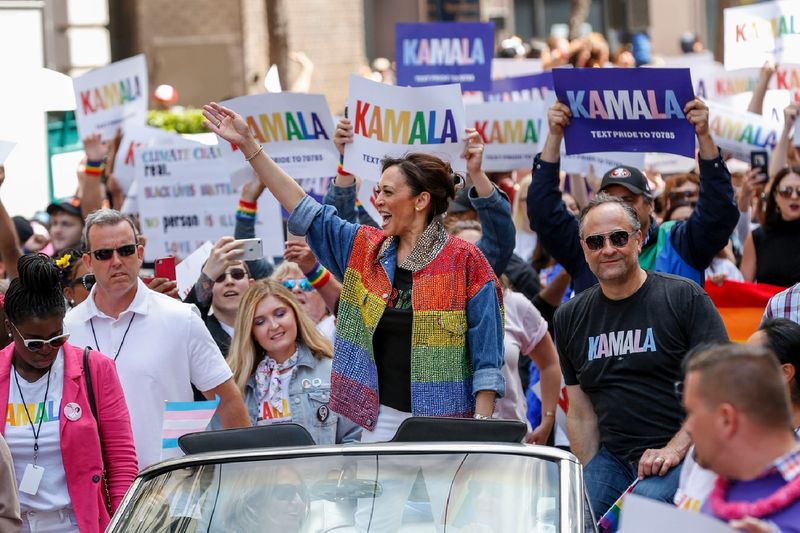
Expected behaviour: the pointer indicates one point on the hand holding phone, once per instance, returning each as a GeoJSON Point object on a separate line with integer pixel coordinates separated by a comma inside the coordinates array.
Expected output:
{"type": "Point", "coordinates": [252, 248]}
{"type": "Point", "coordinates": [760, 159]}
{"type": "Point", "coordinates": [165, 268]}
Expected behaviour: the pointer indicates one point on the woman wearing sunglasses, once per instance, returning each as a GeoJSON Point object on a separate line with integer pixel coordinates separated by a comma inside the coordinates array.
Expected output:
{"type": "Point", "coordinates": [312, 302]}
{"type": "Point", "coordinates": [76, 280]}
{"type": "Point", "coordinates": [72, 469]}
{"type": "Point", "coordinates": [772, 251]}
{"type": "Point", "coordinates": [282, 365]}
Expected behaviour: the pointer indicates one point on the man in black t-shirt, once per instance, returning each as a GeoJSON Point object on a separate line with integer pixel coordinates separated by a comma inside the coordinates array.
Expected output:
{"type": "Point", "coordinates": [621, 344]}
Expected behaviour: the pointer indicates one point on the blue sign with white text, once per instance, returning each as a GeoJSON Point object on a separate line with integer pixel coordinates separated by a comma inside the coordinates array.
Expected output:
{"type": "Point", "coordinates": [626, 110]}
{"type": "Point", "coordinates": [439, 53]}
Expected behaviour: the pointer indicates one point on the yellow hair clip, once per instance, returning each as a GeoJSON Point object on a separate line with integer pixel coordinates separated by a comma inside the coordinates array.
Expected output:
{"type": "Point", "coordinates": [64, 261]}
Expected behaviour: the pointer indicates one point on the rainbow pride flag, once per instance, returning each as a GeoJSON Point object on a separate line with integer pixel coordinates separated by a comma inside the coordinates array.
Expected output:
{"type": "Point", "coordinates": [181, 418]}
{"type": "Point", "coordinates": [609, 522]}
{"type": "Point", "coordinates": [741, 305]}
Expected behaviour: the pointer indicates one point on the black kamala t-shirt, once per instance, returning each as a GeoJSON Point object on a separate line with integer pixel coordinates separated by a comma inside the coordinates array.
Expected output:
{"type": "Point", "coordinates": [626, 355]}
{"type": "Point", "coordinates": [392, 345]}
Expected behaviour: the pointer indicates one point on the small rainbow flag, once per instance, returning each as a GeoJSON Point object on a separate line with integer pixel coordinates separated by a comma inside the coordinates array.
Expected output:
{"type": "Point", "coordinates": [741, 305]}
{"type": "Point", "coordinates": [609, 522]}
{"type": "Point", "coordinates": [181, 418]}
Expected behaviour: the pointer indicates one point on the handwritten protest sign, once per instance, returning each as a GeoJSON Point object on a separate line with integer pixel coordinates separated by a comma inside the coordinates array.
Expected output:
{"type": "Point", "coordinates": [391, 121]}
{"type": "Point", "coordinates": [111, 97]}
{"type": "Point", "coordinates": [5, 150]}
{"type": "Point", "coordinates": [185, 198]}
{"type": "Point", "coordinates": [296, 130]}
{"type": "Point", "coordinates": [769, 31]}
{"type": "Point", "coordinates": [134, 137]}
{"type": "Point", "coordinates": [512, 132]}
{"type": "Point", "coordinates": [626, 110]}
{"type": "Point", "coordinates": [599, 163]}
{"type": "Point", "coordinates": [439, 53]}
{"type": "Point", "coordinates": [739, 132]}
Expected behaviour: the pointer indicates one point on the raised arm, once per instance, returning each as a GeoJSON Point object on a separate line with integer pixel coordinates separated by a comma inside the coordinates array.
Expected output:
{"type": "Point", "coordinates": [91, 174]}
{"type": "Point", "coordinates": [9, 241]}
{"type": "Point", "coordinates": [780, 155]}
{"type": "Point", "coordinates": [232, 127]}
{"type": "Point", "coordinates": [246, 226]}
{"type": "Point", "coordinates": [760, 90]}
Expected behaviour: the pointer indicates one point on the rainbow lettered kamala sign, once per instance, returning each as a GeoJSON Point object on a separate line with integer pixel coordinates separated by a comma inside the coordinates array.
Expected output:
{"type": "Point", "coordinates": [739, 132]}
{"type": "Point", "coordinates": [111, 97]}
{"type": "Point", "coordinates": [391, 121]}
{"type": "Point", "coordinates": [296, 130]}
{"type": "Point", "coordinates": [768, 31]}
{"type": "Point", "coordinates": [626, 110]}
{"type": "Point", "coordinates": [512, 132]}
{"type": "Point", "coordinates": [439, 53]}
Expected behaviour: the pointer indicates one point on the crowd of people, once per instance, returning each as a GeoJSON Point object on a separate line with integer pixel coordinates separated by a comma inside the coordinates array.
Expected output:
{"type": "Point", "coordinates": [517, 295]}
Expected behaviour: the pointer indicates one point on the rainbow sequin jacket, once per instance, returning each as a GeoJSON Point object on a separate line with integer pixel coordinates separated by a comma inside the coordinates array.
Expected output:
{"type": "Point", "coordinates": [457, 344]}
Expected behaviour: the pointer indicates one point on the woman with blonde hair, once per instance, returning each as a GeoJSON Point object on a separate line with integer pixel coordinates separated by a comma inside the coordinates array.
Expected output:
{"type": "Point", "coordinates": [310, 299]}
{"type": "Point", "coordinates": [282, 365]}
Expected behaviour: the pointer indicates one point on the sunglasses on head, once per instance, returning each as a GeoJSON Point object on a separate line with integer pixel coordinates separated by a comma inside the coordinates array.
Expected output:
{"type": "Point", "coordinates": [786, 192]}
{"type": "Point", "coordinates": [302, 283]}
{"type": "Point", "coordinates": [104, 254]}
{"type": "Point", "coordinates": [619, 239]}
{"type": "Point", "coordinates": [237, 274]}
{"type": "Point", "coordinates": [35, 345]}
{"type": "Point", "coordinates": [87, 280]}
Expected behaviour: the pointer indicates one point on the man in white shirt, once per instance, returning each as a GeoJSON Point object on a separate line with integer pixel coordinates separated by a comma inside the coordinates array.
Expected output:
{"type": "Point", "coordinates": [160, 344]}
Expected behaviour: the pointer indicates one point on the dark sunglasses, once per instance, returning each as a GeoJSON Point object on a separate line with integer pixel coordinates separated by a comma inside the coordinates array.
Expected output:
{"type": "Point", "coordinates": [787, 192]}
{"type": "Point", "coordinates": [619, 239]}
{"type": "Point", "coordinates": [35, 345]}
{"type": "Point", "coordinates": [104, 254]}
{"type": "Point", "coordinates": [237, 274]}
{"type": "Point", "coordinates": [87, 280]}
{"type": "Point", "coordinates": [302, 283]}
{"type": "Point", "coordinates": [286, 492]}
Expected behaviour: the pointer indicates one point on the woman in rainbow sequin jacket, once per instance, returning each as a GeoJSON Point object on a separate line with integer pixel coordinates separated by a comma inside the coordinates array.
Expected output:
{"type": "Point", "coordinates": [420, 320]}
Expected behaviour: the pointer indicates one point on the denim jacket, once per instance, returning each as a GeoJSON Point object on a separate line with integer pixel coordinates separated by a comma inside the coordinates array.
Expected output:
{"type": "Point", "coordinates": [309, 391]}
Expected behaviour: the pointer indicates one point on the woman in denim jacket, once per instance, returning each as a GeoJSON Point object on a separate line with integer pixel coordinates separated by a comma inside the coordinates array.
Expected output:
{"type": "Point", "coordinates": [282, 365]}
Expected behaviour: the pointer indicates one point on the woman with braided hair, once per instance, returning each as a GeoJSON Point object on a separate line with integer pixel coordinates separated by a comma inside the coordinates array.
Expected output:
{"type": "Point", "coordinates": [67, 423]}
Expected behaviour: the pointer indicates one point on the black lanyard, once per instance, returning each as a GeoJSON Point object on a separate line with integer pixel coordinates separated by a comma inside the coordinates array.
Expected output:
{"type": "Point", "coordinates": [97, 346]}
{"type": "Point", "coordinates": [36, 430]}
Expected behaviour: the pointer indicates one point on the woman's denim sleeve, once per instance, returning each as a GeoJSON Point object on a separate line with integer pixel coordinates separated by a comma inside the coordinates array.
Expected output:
{"type": "Point", "coordinates": [499, 233]}
{"type": "Point", "coordinates": [485, 340]}
{"type": "Point", "coordinates": [328, 236]}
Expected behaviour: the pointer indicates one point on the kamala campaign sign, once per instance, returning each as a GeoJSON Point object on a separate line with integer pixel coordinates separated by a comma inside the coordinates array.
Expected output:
{"type": "Point", "coordinates": [534, 87]}
{"type": "Point", "coordinates": [600, 163]}
{"type": "Point", "coordinates": [768, 31]}
{"type": "Point", "coordinates": [739, 132]}
{"type": "Point", "coordinates": [391, 121]}
{"type": "Point", "coordinates": [512, 132]}
{"type": "Point", "coordinates": [626, 110]}
{"type": "Point", "coordinates": [185, 198]}
{"type": "Point", "coordinates": [111, 97]}
{"type": "Point", "coordinates": [296, 130]}
{"type": "Point", "coordinates": [439, 53]}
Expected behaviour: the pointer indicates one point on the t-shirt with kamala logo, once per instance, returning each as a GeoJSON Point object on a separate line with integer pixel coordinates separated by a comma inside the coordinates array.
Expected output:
{"type": "Point", "coordinates": [626, 355]}
{"type": "Point", "coordinates": [52, 492]}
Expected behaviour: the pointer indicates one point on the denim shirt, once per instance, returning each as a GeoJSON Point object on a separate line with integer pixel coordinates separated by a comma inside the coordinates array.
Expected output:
{"type": "Point", "coordinates": [331, 240]}
{"type": "Point", "coordinates": [309, 391]}
{"type": "Point", "coordinates": [494, 211]}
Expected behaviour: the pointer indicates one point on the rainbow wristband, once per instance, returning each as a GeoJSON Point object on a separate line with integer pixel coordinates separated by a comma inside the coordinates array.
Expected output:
{"type": "Point", "coordinates": [94, 168]}
{"type": "Point", "coordinates": [246, 210]}
{"type": "Point", "coordinates": [319, 276]}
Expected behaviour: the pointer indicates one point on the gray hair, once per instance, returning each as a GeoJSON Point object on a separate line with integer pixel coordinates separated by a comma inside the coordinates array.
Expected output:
{"type": "Point", "coordinates": [604, 198]}
{"type": "Point", "coordinates": [106, 217]}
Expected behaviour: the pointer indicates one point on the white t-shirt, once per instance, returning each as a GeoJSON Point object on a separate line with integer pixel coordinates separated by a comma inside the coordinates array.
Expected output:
{"type": "Point", "coordinates": [524, 328]}
{"type": "Point", "coordinates": [327, 326]}
{"type": "Point", "coordinates": [525, 244]}
{"type": "Point", "coordinates": [52, 494]}
{"type": "Point", "coordinates": [166, 350]}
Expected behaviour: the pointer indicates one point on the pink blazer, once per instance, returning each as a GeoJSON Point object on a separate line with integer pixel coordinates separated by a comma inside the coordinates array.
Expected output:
{"type": "Point", "coordinates": [80, 444]}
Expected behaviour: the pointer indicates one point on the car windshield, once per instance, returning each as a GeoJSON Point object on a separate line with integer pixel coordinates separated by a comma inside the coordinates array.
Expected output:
{"type": "Point", "coordinates": [467, 492]}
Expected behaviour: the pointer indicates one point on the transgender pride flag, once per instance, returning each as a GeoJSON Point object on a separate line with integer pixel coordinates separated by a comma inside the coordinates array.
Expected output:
{"type": "Point", "coordinates": [181, 418]}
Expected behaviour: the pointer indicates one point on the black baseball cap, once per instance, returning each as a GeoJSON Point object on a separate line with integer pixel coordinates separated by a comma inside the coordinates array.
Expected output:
{"type": "Point", "coordinates": [631, 178]}
{"type": "Point", "coordinates": [70, 205]}
{"type": "Point", "coordinates": [461, 203]}
{"type": "Point", "coordinates": [24, 228]}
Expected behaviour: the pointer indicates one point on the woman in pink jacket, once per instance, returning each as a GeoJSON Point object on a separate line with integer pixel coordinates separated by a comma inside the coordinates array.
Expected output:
{"type": "Point", "coordinates": [60, 449]}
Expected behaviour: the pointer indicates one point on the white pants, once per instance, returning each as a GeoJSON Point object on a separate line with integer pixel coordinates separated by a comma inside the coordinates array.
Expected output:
{"type": "Point", "coordinates": [388, 421]}
{"type": "Point", "coordinates": [61, 521]}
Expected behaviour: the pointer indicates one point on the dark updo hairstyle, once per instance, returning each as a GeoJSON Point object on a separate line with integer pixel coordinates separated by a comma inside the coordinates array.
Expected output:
{"type": "Point", "coordinates": [772, 216]}
{"type": "Point", "coordinates": [36, 293]}
{"type": "Point", "coordinates": [427, 173]}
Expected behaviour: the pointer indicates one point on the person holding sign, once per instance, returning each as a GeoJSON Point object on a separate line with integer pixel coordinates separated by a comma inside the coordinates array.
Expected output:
{"type": "Point", "coordinates": [408, 277]}
{"type": "Point", "coordinates": [72, 445]}
{"type": "Point", "coordinates": [685, 248]}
